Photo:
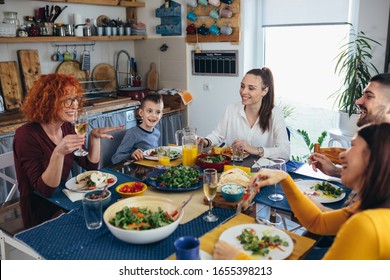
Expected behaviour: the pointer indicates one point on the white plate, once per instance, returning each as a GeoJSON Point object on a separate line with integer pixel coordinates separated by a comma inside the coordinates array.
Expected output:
{"type": "Point", "coordinates": [230, 236]}
{"type": "Point", "coordinates": [176, 149]}
{"type": "Point", "coordinates": [305, 185]}
{"type": "Point", "coordinates": [73, 186]}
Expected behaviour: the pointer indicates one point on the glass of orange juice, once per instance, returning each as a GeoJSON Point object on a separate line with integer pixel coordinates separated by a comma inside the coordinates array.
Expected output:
{"type": "Point", "coordinates": [189, 154]}
{"type": "Point", "coordinates": [164, 156]}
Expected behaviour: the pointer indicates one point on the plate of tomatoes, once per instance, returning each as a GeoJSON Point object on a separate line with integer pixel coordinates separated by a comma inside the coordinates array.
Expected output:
{"type": "Point", "coordinates": [130, 189]}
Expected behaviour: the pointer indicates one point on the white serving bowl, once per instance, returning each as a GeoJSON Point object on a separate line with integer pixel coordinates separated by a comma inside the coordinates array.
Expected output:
{"type": "Point", "coordinates": [143, 236]}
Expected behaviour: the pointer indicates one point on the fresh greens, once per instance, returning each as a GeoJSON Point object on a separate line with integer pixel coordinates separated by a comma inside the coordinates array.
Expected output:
{"type": "Point", "coordinates": [178, 177]}
{"type": "Point", "coordinates": [213, 158]}
{"type": "Point", "coordinates": [327, 189]}
{"type": "Point", "coordinates": [251, 242]}
{"type": "Point", "coordinates": [173, 153]}
{"type": "Point", "coordinates": [140, 218]}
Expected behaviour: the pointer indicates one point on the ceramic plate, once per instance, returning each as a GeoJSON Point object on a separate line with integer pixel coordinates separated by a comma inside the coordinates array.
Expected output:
{"type": "Point", "coordinates": [175, 153]}
{"type": "Point", "coordinates": [230, 236]}
{"type": "Point", "coordinates": [73, 186]}
{"type": "Point", "coordinates": [306, 187]}
{"type": "Point", "coordinates": [157, 185]}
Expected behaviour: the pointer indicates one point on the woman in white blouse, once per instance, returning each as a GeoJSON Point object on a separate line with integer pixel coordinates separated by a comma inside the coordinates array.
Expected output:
{"type": "Point", "coordinates": [255, 123]}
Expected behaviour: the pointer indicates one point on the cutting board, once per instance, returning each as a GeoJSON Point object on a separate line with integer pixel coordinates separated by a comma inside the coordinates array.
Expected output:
{"type": "Point", "coordinates": [104, 72]}
{"type": "Point", "coordinates": [152, 79]}
{"type": "Point", "coordinates": [11, 87]}
{"type": "Point", "coordinates": [30, 68]}
{"type": "Point", "coordinates": [73, 67]}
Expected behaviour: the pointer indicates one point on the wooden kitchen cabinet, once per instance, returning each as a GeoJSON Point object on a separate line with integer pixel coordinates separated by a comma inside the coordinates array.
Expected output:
{"type": "Point", "coordinates": [131, 13]}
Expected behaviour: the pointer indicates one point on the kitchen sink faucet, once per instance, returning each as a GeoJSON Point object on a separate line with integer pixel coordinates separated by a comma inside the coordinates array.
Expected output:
{"type": "Point", "coordinates": [129, 77]}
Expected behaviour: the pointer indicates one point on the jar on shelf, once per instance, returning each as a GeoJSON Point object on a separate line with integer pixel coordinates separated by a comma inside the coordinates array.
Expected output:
{"type": "Point", "coordinates": [11, 17]}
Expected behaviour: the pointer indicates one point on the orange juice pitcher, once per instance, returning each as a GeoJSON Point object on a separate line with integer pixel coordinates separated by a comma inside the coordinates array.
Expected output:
{"type": "Point", "coordinates": [190, 146]}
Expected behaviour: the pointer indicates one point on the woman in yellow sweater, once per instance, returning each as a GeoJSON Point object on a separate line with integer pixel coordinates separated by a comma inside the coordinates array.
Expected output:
{"type": "Point", "coordinates": [362, 230]}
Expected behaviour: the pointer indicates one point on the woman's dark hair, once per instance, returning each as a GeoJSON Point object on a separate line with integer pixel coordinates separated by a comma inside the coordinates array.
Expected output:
{"type": "Point", "coordinates": [154, 97]}
{"type": "Point", "coordinates": [268, 102]}
{"type": "Point", "coordinates": [375, 191]}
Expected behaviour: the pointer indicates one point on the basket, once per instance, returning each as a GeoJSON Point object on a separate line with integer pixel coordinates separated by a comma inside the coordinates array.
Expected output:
{"type": "Point", "coordinates": [7, 30]}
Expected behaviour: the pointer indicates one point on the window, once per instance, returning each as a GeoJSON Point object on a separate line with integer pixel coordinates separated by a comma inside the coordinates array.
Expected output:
{"type": "Point", "coordinates": [302, 59]}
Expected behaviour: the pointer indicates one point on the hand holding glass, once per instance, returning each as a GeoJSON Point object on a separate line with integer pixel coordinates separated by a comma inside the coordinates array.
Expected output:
{"type": "Point", "coordinates": [81, 127]}
{"type": "Point", "coordinates": [210, 180]}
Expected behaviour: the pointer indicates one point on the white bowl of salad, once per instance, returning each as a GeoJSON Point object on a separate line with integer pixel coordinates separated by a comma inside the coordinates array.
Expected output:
{"type": "Point", "coordinates": [130, 219]}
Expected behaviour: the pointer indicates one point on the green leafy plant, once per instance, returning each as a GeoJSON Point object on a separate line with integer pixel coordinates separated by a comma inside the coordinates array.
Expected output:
{"type": "Point", "coordinates": [353, 64]}
{"type": "Point", "coordinates": [309, 144]}
{"type": "Point", "coordinates": [287, 109]}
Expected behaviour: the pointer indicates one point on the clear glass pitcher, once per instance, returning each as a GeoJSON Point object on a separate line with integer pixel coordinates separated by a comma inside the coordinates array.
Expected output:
{"type": "Point", "coordinates": [188, 139]}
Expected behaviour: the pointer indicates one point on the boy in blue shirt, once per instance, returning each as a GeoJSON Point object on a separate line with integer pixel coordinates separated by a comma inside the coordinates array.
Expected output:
{"type": "Point", "coordinates": [144, 136]}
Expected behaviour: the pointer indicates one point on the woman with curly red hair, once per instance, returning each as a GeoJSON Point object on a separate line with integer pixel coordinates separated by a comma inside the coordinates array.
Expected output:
{"type": "Point", "coordinates": [43, 147]}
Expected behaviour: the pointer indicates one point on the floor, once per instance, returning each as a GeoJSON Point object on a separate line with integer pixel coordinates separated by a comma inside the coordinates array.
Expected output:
{"type": "Point", "coordinates": [11, 223]}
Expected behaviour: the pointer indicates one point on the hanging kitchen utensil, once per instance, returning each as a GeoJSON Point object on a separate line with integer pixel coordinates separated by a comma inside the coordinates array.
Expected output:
{"type": "Point", "coordinates": [86, 61]}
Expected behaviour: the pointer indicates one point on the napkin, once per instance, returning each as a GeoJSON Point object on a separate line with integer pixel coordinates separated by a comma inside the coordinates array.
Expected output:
{"type": "Point", "coordinates": [307, 170]}
{"type": "Point", "coordinates": [262, 162]}
{"type": "Point", "coordinates": [73, 196]}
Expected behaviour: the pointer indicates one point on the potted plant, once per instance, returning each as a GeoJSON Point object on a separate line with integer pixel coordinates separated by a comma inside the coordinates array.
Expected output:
{"type": "Point", "coordinates": [353, 64]}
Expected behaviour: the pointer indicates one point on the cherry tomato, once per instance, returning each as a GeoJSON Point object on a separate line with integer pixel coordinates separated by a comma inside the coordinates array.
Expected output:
{"type": "Point", "coordinates": [110, 180]}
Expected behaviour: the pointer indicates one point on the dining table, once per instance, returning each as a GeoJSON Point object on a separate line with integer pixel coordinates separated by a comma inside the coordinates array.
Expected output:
{"type": "Point", "coordinates": [67, 238]}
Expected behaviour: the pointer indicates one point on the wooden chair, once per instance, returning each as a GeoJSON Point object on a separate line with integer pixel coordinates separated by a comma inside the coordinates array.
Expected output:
{"type": "Point", "coordinates": [7, 160]}
{"type": "Point", "coordinates": [331, 153]}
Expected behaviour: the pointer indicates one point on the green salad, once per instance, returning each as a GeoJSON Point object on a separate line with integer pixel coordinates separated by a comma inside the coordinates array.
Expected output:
{"type": "Point", "coordinates": [327, 189]}
{"type": "Point", "coordinates": [213, 159]}
{"type": "Point", "coordinates": [140, 218]}
{"type": "Point", "coordinates": [251, 242]}
{"type": "Point", "coordinates": [178, 177]}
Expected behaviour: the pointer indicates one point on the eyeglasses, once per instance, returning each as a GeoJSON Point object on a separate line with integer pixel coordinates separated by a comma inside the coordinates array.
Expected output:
{"type": "Point", "coordinates": [68, 102]}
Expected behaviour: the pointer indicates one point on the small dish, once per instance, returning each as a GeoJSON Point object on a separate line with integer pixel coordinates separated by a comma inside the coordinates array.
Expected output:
{"type": "Point", "coordinates": [131, 189]}
{"type": "Point", "coordinates": [94, 195]}
{"type": "Point", "coordinates": [232, 192]}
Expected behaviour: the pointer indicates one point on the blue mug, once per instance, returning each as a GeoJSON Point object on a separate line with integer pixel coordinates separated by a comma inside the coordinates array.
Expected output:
{"type": "Point", "coordinates": [214, 30]}
{"type": "Point", "coordinates": [191, 16]}
{"type": "Point", "coordinates": [187, 248]}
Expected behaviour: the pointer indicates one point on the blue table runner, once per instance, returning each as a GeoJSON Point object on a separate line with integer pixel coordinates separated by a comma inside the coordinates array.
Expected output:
{"type": "Point", "coordinates": [67, 238]}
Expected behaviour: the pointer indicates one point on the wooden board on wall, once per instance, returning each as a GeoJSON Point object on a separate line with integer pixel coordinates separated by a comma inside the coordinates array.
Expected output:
{"type": "Point", "coordinates": [204, 18]}
{"type": "Point", "coordinates": [30, 68]}
{"type": "Point", "coordinates": [11, 87]}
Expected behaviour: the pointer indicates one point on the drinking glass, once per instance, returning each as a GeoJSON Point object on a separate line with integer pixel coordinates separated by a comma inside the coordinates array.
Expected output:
{"type": "Point", "coordinates": [280, 164]}
{"type": "Point", "coordinates": [81, 127]}
{"type": "Point", "coordinates": [210, 190]}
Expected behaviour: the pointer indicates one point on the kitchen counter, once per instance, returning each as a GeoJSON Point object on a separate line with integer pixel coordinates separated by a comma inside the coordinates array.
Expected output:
{"type": "Point", "coordinates": [9, 122]}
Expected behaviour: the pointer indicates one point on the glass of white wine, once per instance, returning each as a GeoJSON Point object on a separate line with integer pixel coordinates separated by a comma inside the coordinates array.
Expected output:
{"type": "Point", "coordinates": [81, 127]}
{"type": "Point", "coordinates": [280, 164]}
{"type": "Point", "coordinates": [210, 179]}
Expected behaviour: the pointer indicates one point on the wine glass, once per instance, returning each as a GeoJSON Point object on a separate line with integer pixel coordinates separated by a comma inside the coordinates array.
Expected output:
{"type": "Point", "coordinates": [81, 127]}
{"type": "Point", "coordinates": [210, 190]}
{"type": "Point", "coordinates": [280, 164]}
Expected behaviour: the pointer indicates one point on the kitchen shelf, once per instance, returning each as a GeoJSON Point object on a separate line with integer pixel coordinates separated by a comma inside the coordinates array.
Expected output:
{"type": "Point", "coordinates": [45, 39]}
{"type": "Point", "coordinates": [123, 3]}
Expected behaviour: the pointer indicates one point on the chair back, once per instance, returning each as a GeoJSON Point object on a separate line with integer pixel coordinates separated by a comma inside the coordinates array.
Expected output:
{"type": "Point", "coordinates": [331, 153]}
{"type": "Point", "coordinates": [108, 147]}
{"type": "Point", "coordinates": [7, 160]}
